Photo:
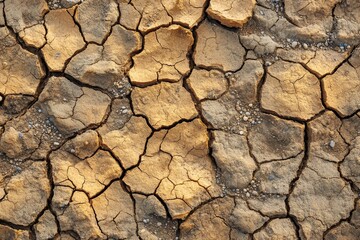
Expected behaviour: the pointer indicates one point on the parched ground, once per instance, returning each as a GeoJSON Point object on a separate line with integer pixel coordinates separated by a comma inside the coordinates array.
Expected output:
{"type": "Point", "coordinates": [180, 119]}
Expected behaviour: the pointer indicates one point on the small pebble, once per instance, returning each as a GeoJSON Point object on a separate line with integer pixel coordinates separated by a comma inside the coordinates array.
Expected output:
{"type": "Point", "coordinates": [56, 143]}
{"type": "Point", "coordinates": [332, 144]}
{"type": "Point", "coordinates": [294, 44]}
{"type": "Point", "coordinates": [247, 194]}
{"type": "Point", "coordinates": [241, 132]}
{"type": "Point", "coordinates": [305, 46]}
{"type": "Point", "coordinates": [245, 118]}
{"type": "Point", "coordinates": [228, 74]}
{"type": "Point", "coordinates": [159, 224]}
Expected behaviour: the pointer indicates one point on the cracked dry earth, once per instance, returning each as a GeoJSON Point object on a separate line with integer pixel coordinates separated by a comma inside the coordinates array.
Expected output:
{"type": "Point", "coordinates": [179, 119]}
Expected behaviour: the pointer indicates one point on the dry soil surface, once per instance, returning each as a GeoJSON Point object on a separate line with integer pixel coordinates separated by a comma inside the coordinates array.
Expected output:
{"type": "Point", "coordinates": [179, 119]}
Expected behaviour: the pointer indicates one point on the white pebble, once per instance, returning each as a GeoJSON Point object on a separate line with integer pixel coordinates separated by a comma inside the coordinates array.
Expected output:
{"type": "Point", "coordinates": [294, 44]}
{"type": "Point", "coordinates": [245, 118]}
{"type": "Point", "coordinates": [56, 143]}
{"type": "Point", "coordinates": [332, 144]}
{"type": "Point", "coordinates": [305, 46]}
{"type": "Point", "coordinates": [247, 194]}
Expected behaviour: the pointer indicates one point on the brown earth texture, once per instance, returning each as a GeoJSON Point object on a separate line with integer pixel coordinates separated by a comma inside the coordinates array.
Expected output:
{"type": "Point", "coordinates": [180, 119]}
